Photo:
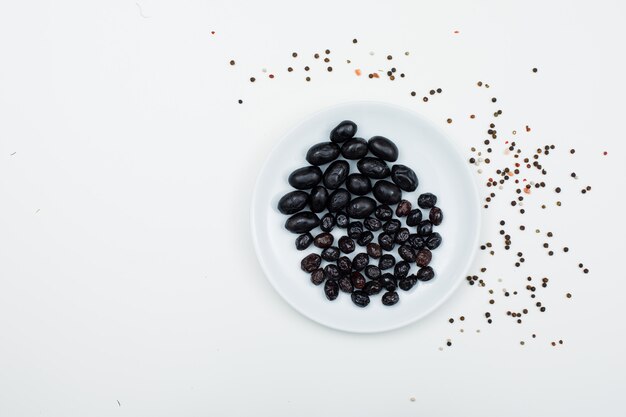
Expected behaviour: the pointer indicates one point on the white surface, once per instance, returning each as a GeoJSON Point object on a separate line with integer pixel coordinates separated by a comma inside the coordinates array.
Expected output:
{"type": "Point", "coordinates": [440, 170]}
{"type": "Point", "coordinates": [126, 266]}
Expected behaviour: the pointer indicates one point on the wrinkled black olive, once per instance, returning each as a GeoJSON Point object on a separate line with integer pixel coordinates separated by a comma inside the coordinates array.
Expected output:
{"type": "Point", "coordinates": [403, 209]}
{"type": "Point", "coordinates": [360, 261]}
{"type": "Point", "coordinates": [424, 228]}
{"type": "Point", "coordinates": [358, 184]}
{"type": "Point", "coordinates": [292, 202]}
{"type": "Point", "coordinates": [414, 217]}
{"type": "Point", "coordinates": [336, 174]}
{"type": "Point", "coordinates": [426, 200]}
{"type": "Point", "coordinates": [417, 242]}
{"type": "Point", "coordinates": [361, 207]}
{"type": "Point", "coordinates": [403, 235]}
{"type": "Point", "coordinates": [386, 261]}
{"type": "Point", "coordinates": [374, 250]}
{"type": "Point", "coordinates": [332, 272]}
{"type": "Point", "coordinates": [433, 241]}
{"type": "Point", "coordinates": [304, 241]}
{"type": "Point", "coordinates": [330, 254]}
{"type": "Point", "coordinates": [372, 224]}
{"type": "Point", "coordinates": [388, 282]}
{"type": "Point", "coordinates": [425, 274]}
{"type": "Point", "coordinates": [342, 220]}
{"type": "Point", "coordinates": [355, 148]}
{"type": "Point", "coordinates": [317, 276]}
{"type": "Point", "coordinates": [423, 257]}
{"type": "Point", "coordinates": [323, 240]}
{"type": "Point", "coordinates": [328, 222]}
{"type": "Point", "coordinates": [343, 131]}
{"type": "Point", "coordinates": [365, 238]}
{"type": "Point", "coordinates": [360, 298]}
{"type": "Point", "coordinates": [407, 253]}
{"type": "Point", "coordinates": [387, 192]}
{"type": "Point", "coordinates": [322, 153]}
{"type": "Point", "coordinates": [386, 241]}
{"type": "Point", "coordinates": [346, 245]}
{"type": "Point", "coordinates": [407, 283]}
{"type": "Point", "coordinates": [345, 284]}
{"type": "Point", "coordinates": [305, 177]}
{"type": "Point", "coordinates": [318, 199]}
{"type": "Point", "coordinates": [383, 148]}
{"type": "Point", "coordinates": [344, 264]}
{"type": "Point", "coordinates": [302, 222]}
{"type": "Point", "coordinates": [392, 226]}
{"type": "Point", "coordinates": [358, 280]}
{"type": "Point", "coordinates": [355, 229]}
{"type": "Point", "coordinates": [338, 200]}
{"type": "Point", "coordinates": [401, 270]}
{"type": "Point", "coordinates": [373, 167]}
{"type": "Point", "coordinates": [404, 177]}
{"type": "Point", "coordinates": [436, 216]}
{"type": "Point", "coordinates": [311, 262]}
{"type": "Point", "coordinates": [390, 298]}
{"type": "Point", "coordinates": [383, 212]}
{"type": "Point", "coordinates": [373, 287]}
{"type": "Point", "coordinates": [372, 272]}
{"type": "Point", "coordinates": [331, 289]}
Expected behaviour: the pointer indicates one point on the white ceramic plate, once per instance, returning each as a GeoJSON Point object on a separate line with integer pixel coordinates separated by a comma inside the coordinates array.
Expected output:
{"type": "Point", "coordinates": [440, 170]}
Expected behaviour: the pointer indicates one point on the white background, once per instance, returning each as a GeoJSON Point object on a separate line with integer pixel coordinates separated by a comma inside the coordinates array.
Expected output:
{"type": "Point", "coordinates": [126, 171]}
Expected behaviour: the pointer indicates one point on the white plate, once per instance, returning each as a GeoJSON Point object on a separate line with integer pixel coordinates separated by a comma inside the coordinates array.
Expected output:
{"type": "Point", "coordinates": [440, 170]}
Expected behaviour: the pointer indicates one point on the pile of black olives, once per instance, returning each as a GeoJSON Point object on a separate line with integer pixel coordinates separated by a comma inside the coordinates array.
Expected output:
{"type": "Point", "coordinates": [367, 208]}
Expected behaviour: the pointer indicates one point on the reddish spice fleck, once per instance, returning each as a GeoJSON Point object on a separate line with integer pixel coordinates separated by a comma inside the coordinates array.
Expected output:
{"type": "Point", "coordinates": [527, 128]}
{"type": "Point", "coordinates": [605, 153]}
{"type": "Point", "coordinates": [212, 32]}
{"type": "Point", "coordinates": [271, 75]}
{"type": "Point", "coordinates": [472, 116]}
{"type": "Point", "coordinates": [527, 190]}
{"type": "Point", "coordinates": [375, 75]}
{"type": "Point", "coordinates": [456, 31]}
{"type": "Point", "coordinates": [357, 72]}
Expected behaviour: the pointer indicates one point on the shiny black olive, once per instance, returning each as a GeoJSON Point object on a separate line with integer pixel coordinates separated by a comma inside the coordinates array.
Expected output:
{"type": "Point", "coordinates": [328, 222]}
{"type": "Point", "coordinates": [342, 220]}
{"type": "Point", "coordinates": [403, 235]}
{"type": "Point", "coordinates": [383, 212]}
{"type": "Point", "coordinates": [331, 289]}
{"type": "Point", "coordinates": [344, 264]}
{"type": "Point", "coordinates": [388, 282]}
{"type": "Point", "coordinates": [355, 229]}
{"type": "Point", "coordinates": [424, 228]}
{"type": "Point", "coordinates": [383, 148]}
{"type": "Point", "coordinates": [407, 283]}
{"type": "Point", "coordinates": [318, 199]}
{"type": "Point", "coordinates": [360, 261]}
{"type": "Point", "coordinates": [360, 298]}
{"type": "Point", "coordinates": [401, 270]}
{"type": "Point", "coordinates": [336, 174]}
{"type": "Point", "coordinates": [414, 217]}
{"type": "Point", "coordinates": [332, 272]}
{"type": "Point", "coordinates": [365, 238]}
{"type": "Point", "coordinates": [346, 245]}
{"type": "Point", "coordinates": [436, 216]}
{"type": "Point", "coordinates": [386, 241]}
{"type": "Point", "coordinates": [302, 222]}
{"type": "Point", "coordinates": [386, 261]}
{"type": "Point", "coordinates": [433, 241]}
{"type": "Point", "coordinates": [361, 207]}
{"type": "Point", "coordinates": [355, 148]}
{"type": "Point", "coordinates": [323, 240]}
{"type": "Point", "coordinates": [423, 257]}
{"type": "Point", "coordinates": [387, 192]}
{"type": "Point", "coordinates": [404, 177]}
{"type": "Point", "coordinates": [338, 200]}
{"type": "Point", "coordinates": [322, 153]}
{"type": "Point", "coordinates": [292, 202]}
{"type": "Point", "coordinates": [373, 272]}
{"type": "Point", "coordinates": [304, 241]}
{"type": "Point", "coordinates": [311, 262]}
{"type": "Point", "coordinates": [426, 200]}
{"type": "Point", "coordinates": [358, 280]}
{"type": "Point", "coordinates": [358, 184]}
{"type": "Point", "coordinates": [318, 276]}
{"type": "Point", "coordinates": [373, 167]}
{"type": "Point", "coordinates": [372, 224]}
{"type": "Point", "coordinates": [373, 287]}
{"type": "Point", "coordinates": [345, 284]}
{"type": "Point", "coordinates": [407, 253]}
{"type": "Point", "coordinates": [417, 242]}
{"type": "Point", "coordinates": [403, 209]}
{"type": "Point", "coordinates": [305, 177]}
{"type": "Point", "coordinates": [374, 250]}
{"type": "Point", "coordinates": [331, 254]}
{"type": "Point", "coordinates": [392, 226]}
{"type": "Point", "coordinates": [390, 298]}
{"type": "Point", "coordinates": [425, 274]}
{"type": "Point", "coordinates": [343, 131]}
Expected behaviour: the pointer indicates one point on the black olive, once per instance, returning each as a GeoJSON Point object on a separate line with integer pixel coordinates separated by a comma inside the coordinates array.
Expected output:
{"type": "Point", "coordinates": [372, 272]}
{"type": "Point", "coordinates": [433, 241]}
{"type": "Point", "coordinates": [322, 153]}
{"type": "Point", "coordinates": [386, 261]}
{"type": "Point", "coordinates": [332, 272]}
{"type": "Point", "coordinates": [372, 224]}
{"type": "Point", "coordinates": [407, 253]}
{"type": "Point", "coordinates": [373, 167]}
{"type": "Point", "coordinates": [404, 177]}
{"type": "Point", "coordinates": [424, 228]}
{"type": "Point", "coordinates": [392, 226]}
{"type": "Point", "coordinates": [388, 282]}
{"type": "Point", "coordinates": [365, 238]}
{"type": "Point", "coordinates": [425, 274]}
{"type": "Point", "coordinates": [302, 222]}
{"type": "Point", "coordinates": [390, 298]}
{"type": "Point", "coordinates": [374, 250]}
{"type": "Point", "coordinates": [331, 289]}
{"type": "Point", "coordinates": [417, 242]}
{"type": "Point", "coordinates": [387, 192]}
{"type": "Point", "coordinates": [355, 148]}
{"type": "Point", "coordinates": [343, 131]}
{"type": "Point", "coordinates": [360, 261]}
{"type": "Point", "coordinates": [305, 177]}
{"type": "Point", "coordinates": [426, 200]}
{"type": "Point", "coordinates": [342, 220]}
{"type": "Point", "coordinates": [436, 216]}
{"type": "Point", "coordinates": [346, 245]}
{"type": "Point", "coordinates": [403, 209]}
{"type": "Point", "coordinates": [361, 207]}
{"type": "Point", "coordinates": [423, 257]}
{"type": "Point", "coordinates": [373, 287]}
{"type": "Point", "coordinates": [330, 254]}
{"type": "Point", "coordinates": [318, 276]}
{"type": "Point", "coordinates": [328, 222]}
{"type": "Point", "coordinates": [292, 202]}
{"type": "Point", "coordinates": [403, 235]}
{"type": "Point", "coordinates": [383, 148]}
{"type": "Point", "coordinates": [383, 212]}
{"type": "Point", "coordinates": [358, 184]}
{"type": "Point", "coordinates": [344, 264]}
{"type": "Point", "coordinates": [414, 217]}
{"type": "Point", "coordinates": [336, 174]}
{"type": "Point", "coordinates": [323, 240]}
{"type": "Point", "coordinates": [318, 199]}
{"type": "Point", "coordinates": [304, 241]}
{"type": "Point", "coordinates": [311, 262]}
{"type": "Point", "coordinates": [360, 298]}
{"type": "Point", "coordinates": [355, 229]}
{"type": "Point", "coordinates": [401, 270]}
{"type": "Point", "coordinates": [407, 283]}
{"type": "Point", "coordinates": [358, 280]}
{"type": "Point", "coordinates": [386, 241]}
{"type": "Point", "coordinates": [345, 284]}
{"type": "Point", "coordinates": [338, 200]}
